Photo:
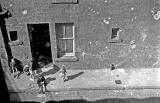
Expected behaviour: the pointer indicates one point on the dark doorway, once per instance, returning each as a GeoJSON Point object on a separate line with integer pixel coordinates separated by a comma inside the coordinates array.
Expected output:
{"type": "Point", "coordinates": [40, 43]}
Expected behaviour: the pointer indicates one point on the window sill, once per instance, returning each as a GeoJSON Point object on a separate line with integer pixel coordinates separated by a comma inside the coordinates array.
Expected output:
{"type": "Point", "coordinates": [115, 41]}
{"type": "Point", "coordinates": [67, 59]}
{"type": "Point", "coordinates": [15, 43]}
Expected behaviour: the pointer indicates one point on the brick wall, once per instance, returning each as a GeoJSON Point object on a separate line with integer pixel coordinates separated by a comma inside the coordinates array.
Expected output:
{"type": "Point", "coordinates": [136, 47]}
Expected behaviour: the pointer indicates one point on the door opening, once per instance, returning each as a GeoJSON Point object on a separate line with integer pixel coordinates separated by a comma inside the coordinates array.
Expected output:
{"type": "Point", "coordinates": [40, 43]}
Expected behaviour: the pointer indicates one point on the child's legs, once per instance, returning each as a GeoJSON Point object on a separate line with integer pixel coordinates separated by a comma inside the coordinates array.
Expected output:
{"type": "Point", "coordinates": [39, 89]}
{"type": "Point", "coordinates": [64, 77]}
{"type": "Point", "coordinates": [31, 74]}
{"type": "Point", "coordinates": [11, 69]}
{"type": "Point", "coordinates": [14, 71]}
{"type": "Point", "coordinates": [19, 73]}
{"type": "Point", "coordinates": [45, 86]}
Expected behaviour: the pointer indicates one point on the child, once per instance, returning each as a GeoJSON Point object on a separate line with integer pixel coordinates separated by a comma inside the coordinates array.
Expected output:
{"type": "Point", "coordinates": [63, 73]}
{"type": "Point", "coordinates": [26, 69]}
{"type": "Point", "coordinates": [33, 68]}
{"type": "Point", "coordinates": [13, 67]}
{"type": "Point", "coordinates": [113, 67]}
{"type": "Point", "coordinates": [41, 84]}
{"type": "Point", "coordinates": [16, 66]}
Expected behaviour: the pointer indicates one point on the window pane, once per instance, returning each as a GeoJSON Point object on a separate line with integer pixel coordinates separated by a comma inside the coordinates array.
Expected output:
{"type": "Point", "coordinates": [69, 31]}
{"type": "Point", "coordinates": [64, 35]}
{"type": "Point", "coordinates": [60, 48]}
{"type": "Point", "coordinates": [13, 35]}
{"type": "Point", "coordinates": [69, 46]}
{"type": "Point", "coordinates": [114, 32]}
{"type": "Point", "coordinates": [59, 31]}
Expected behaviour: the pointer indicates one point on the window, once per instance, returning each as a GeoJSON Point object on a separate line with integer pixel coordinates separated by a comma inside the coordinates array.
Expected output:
{"type": "Point", "coordinates": [65, 37]}
{"type": "Point", "coordinates": [115, 33]}
{"type": "Point", "coordinates": [13, 35]}
{"type": "Point", "coordinates": [65, 1]}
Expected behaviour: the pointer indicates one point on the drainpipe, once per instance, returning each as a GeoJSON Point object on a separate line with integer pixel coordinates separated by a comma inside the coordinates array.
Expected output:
{"type": "Point", "coordinates": [5, 15]}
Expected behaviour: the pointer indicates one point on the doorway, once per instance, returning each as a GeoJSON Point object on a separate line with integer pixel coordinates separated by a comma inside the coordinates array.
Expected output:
{"type": "Point", "coordinates": [40, 43]}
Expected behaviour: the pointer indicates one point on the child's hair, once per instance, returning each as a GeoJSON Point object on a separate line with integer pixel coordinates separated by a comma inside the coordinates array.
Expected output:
{"type": "Point", "coordinates": [63, 67]}
{"type": "Point", "coordinates": [113, 66]}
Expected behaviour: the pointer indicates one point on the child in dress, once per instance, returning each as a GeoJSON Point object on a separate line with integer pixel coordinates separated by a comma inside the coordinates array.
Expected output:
{"type": "Point", "coordinates": [63, 73]}
{"type": "Point", "coordinates": [113, 67]}
{"type": "Point", "coordinates": [13, 66]}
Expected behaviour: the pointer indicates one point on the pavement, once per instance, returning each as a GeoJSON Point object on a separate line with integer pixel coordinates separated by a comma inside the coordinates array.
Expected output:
{"type": "Point", "coordinates": [92, 85]}
{"type": "Point", "coordinates": [95, 79]}
{"type": "Point", "coordinates": [77, 79]}
{"type": "Point", "coordinates": [92, 96]}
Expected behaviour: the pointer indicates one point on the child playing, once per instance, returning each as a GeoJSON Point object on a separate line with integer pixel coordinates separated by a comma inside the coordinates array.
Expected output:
{"type": "Point", "coordinates": [33, 68]}
{"type": "Point", "coordinates": [63, 73]}
{"type": "Point", "coordinates": [26, 69]}
{"type": "Point", "coordinates": [41, 84]}
{"type": "Point", "coordinates": [113, 67]}
{"type": "Point", "coordinates": [13, 66]}
{"type": "Point", "coordinates": [16, 66]}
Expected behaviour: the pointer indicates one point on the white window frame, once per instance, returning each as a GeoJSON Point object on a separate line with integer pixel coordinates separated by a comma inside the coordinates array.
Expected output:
{"type": "Point", "coordinates": [69, 38]}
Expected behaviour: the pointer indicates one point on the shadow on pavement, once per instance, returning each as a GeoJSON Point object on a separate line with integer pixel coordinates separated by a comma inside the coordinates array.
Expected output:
{"type": "Point", "coordinates": [71, 77]}
{"type": "Point", "coordinates": [112, 100]}
{"type": "Point", "coordinates": [51, 71]}
{"type": "Point", "coordinates": [49, 79]}
{"type": "Point", "coordinates": [39, 70]}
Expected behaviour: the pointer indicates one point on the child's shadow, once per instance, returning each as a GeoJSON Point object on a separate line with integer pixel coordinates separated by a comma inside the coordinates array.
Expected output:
{"type": "Point", "coordinates": [71, 77]}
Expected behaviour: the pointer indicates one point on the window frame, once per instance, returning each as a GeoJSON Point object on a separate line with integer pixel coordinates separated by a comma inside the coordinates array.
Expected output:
{"type": "Point", "coordinates": [11, 37]}
{"type": "Point", "coordinates": [117, 38]}
{"type": "Point", "coordinates": [70, 38]}
{"type": "Point", "coordinates": [117, 33]}
{"type": "Point", "coordinates": [15, 42]}
{"type": "Point", "coordinates": [71, 54]}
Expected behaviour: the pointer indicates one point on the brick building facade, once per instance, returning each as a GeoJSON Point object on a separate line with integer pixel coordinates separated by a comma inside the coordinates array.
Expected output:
{"type": "Point", "coordinates": [85, 34]}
